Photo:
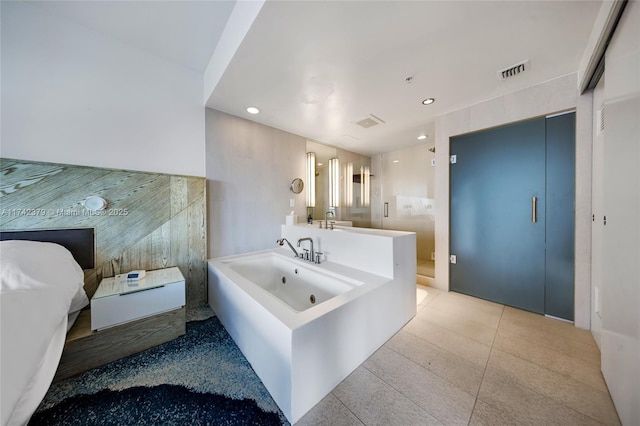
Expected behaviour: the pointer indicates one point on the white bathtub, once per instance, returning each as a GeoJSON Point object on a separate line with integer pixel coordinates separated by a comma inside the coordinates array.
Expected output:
{"type": "Point", "coordinates": [297, 286]}
{"type": "Point", "coordinates": [300, 346]}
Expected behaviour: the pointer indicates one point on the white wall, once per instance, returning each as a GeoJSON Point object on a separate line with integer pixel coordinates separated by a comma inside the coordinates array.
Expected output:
{"type": "Point", "coordinates": [553, 96]}
{"type": "Point", "coordinates": [620, 338]}
{"type": "Point", "coordinates": [597, 207]}
{"type": "Point", "coordinates": [249, 169]}
{"type": "Point", "coordinates": [73, 95]}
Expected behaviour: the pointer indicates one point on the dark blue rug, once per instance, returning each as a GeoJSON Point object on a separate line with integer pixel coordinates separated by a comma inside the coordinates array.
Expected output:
{"type": "Point", "coordinates": [201, 378]}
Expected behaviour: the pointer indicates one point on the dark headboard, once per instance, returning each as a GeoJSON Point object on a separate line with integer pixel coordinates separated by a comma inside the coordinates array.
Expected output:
{"type": "Point", "coordinates": [79, 241]}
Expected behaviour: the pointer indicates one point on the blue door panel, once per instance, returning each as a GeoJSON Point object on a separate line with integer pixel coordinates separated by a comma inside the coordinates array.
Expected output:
{"type": "Point", "coordinates": [499, 249]}
{"type": "Point", "coordinates": [510, 249]}
{"type": "Point", "coordinates": [560, 206]}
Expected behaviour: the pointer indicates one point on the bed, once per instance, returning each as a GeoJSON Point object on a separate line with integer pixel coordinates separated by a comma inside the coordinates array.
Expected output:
{"type": "Point", "coordinates": [41, 294]}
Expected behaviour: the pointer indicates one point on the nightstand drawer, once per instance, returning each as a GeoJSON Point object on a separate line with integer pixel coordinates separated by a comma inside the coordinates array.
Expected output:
{"type": "Point", "coordinates": [124, 307]}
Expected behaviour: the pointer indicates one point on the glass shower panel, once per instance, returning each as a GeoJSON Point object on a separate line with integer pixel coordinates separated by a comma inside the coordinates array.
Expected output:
{"type": "Point", "coordinates": [406, 194]}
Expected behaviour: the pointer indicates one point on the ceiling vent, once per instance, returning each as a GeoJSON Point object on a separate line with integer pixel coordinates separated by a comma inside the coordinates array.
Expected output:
{"type": "Point", "coordinates": [369, 121]}
{"type": "Point", "coordinates": [513, 70]}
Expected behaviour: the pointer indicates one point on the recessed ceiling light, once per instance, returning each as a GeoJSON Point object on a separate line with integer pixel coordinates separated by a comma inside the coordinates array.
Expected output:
{"type": "Point", "coordinates": [320, 164]}
{"type": "Point", "coordinates": [252, 110]}
{"type": "Point", "coordinates": [396, 161]}
{"type": "Point", "coordinates": [421, 137]}
{"type": "Point", "coordinates": [428, 101]}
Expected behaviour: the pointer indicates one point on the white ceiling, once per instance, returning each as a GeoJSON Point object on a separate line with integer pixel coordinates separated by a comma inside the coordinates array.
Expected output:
{"type": "Point", "coordinates": [363, 50]}
{"type": "Point", "coordinates": [184, 32]}
{"type": "Point", "coordinates": [316, 67]}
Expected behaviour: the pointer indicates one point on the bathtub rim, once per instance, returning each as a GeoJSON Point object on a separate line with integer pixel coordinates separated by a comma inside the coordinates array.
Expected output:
{"type": "Point", "coordinates": [290, 318]}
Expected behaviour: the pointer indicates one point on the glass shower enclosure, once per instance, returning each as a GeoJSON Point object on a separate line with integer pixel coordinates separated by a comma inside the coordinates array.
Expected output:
{"type": "Point", "coordinates": [402, 198]}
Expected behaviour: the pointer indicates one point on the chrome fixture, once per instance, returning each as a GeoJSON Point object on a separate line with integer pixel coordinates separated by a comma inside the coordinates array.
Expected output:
{"type": "Point", "coordinates": [297, 185]}
{"type": "Point", "coordinates": [281, 242]}
{"type": "Point", "coordinates": [306, 255]}
{"type": "Point", "coordinates": [325, 218]}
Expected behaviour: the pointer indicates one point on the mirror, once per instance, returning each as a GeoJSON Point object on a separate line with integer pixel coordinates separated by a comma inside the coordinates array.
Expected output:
{"type": "Point", "coordinates": [297, 185]}
{"type": "Point", "coordinates": [352, 199]}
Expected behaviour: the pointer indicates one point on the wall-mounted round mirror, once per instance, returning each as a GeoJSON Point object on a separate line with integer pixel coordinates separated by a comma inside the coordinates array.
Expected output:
{"type": "Point", "coordinates": [296, 186]}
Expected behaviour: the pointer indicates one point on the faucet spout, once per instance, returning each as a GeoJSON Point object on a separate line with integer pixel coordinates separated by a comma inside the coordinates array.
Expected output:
{"type": "Point", "coordinates": [330, 212]}
{"type": "Point", "coordinates": [281, 242]}
{"type": "Point", "coordinates": [311, 243]}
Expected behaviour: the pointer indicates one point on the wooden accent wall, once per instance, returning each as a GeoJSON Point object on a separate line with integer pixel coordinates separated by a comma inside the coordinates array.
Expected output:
{"type": "Point", "coordinates": [151, 221]}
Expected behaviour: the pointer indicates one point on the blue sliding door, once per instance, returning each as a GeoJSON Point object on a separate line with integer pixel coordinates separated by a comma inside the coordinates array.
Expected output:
{"type": "Point", "coordinates": [507, 183]}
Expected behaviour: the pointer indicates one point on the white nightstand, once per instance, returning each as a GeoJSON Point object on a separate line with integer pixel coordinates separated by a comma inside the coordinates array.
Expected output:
{"type": "Point", "coordinates": [118, 301]}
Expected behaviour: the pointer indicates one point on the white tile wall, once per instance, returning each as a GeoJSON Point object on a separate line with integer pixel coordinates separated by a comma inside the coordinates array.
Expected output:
{"type": "Point", "coordinates": [249, 169]}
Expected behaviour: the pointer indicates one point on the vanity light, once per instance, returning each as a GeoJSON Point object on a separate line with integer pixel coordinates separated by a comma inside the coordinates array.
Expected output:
{"type": "Point", "coordinates": [334, 182]}
{"type": "Point", "coordinates": [348, 184]}
{"type": "Point", "coordinates": [311, 179]}
{"type": "Point", "coordinates": [428, 101]}
{"type": "Point", "coordinates": [422, 137]}
{"type": "Point", "coordinates": [252, 110]}
{"type": "Point", "coordinates": [365, 178]}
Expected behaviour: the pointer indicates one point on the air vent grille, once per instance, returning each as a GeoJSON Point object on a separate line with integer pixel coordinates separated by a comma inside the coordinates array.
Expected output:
{"type": "Point", "coordinates": [601, 127]}
{"type": "Point", "coordinates": [513, 70]}
{"type": "Point", "coordinates": [369, 121]}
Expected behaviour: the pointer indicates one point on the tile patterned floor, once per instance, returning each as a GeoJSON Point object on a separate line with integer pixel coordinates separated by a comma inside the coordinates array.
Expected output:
{"type": "Point", "coordinates": [466, 361]}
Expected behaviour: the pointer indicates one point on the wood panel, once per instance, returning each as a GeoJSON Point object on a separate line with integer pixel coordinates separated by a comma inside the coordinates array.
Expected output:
{"type": "Point", "coordinates": [152, 220]}
{"type": "Point", "coordinates": [85, 349]}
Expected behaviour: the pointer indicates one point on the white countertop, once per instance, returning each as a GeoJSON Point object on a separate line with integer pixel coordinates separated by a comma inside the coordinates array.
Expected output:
{"type": "Point", "coordinates": [119, 285]}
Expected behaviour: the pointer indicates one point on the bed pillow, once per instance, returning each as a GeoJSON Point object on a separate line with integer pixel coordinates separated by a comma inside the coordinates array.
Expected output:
{"type": "Point", "coordinates": [31, 265]}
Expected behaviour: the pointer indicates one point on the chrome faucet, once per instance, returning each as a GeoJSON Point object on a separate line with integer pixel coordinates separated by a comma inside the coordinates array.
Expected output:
{"type": "Point", "coordinates": [325, 217]}
{"type": "Point", "coordinates": [281, 242]}
{"type": "Point", "coordinates": [310, 242]}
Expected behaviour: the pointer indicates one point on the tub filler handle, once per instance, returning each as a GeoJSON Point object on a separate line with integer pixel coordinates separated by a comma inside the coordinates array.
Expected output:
{"type": "Point", "coordinates": [318, 255]}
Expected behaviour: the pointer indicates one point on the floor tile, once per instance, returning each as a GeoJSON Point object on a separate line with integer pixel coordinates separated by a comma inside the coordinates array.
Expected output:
{"type": "Point", "coordinates": [432, 293]}
{"type": "Point", "coordinates": [486, 313]}
{"type": "Point", "coordinates": [486, 415]}
{"type": "Point", "coordinates": [547, 325]}
{"type": "Point", "coordinates": [455, 343]}
{"type": "Point", "coordinates": [375, 402]}
{"type": "Point", "coordinates": [525, 405]}
{"type": "Point", "coordinates": [584, 399]}
{"type": "Point", "coordinates": [551, 341]}
{"type": "Point", "coordinates": [467, 361]}
{"type": "Point", "coordinates": [445, 401]}
{"type": "Point", "coordinates": [570, 366]}
{"type": "Point", "coordinates": [453, 322]}
{"type": "Point", "coordinates": [328, 412]}
{"type": "Point", "coordinates": [452, 368]}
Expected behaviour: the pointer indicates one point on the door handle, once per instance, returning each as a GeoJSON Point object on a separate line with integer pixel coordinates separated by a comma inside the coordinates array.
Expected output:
{"type": "Point", "coordinates": [386, 209]}
{"type": "Point", "coordinates": [534, 209]}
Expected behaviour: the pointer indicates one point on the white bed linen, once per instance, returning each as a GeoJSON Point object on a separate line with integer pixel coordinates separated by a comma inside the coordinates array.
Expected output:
{"type": "Point", "coordinates": [38, 283]}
